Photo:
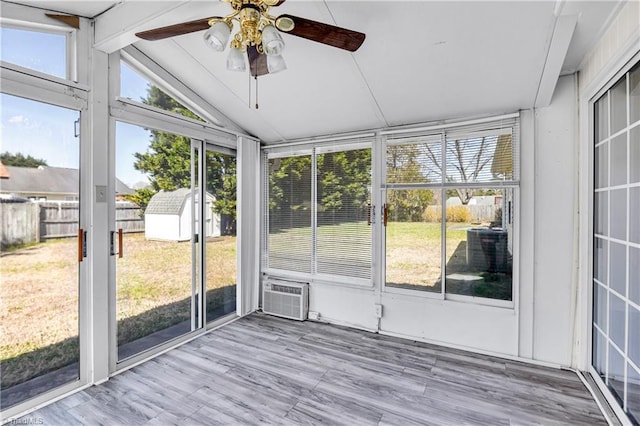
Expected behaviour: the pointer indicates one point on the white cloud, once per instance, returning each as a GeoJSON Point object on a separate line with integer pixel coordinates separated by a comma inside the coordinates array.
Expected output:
{"type": "Point", "coordinates": [19, 119]}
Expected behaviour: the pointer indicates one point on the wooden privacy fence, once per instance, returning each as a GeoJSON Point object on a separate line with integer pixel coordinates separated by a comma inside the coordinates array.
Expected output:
{"type": "Point", "coordinates": [58, 219]}
{"type": "Point", "coordinates": [19, 223]}
{"type": "Point", "coordinates": [23, 223]}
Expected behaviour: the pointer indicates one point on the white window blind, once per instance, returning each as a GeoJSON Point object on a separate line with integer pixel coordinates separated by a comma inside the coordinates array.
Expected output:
{"type": "Point", "coordinates": [482, 153]}
{"type": "Point", "coordinates": [417, 160]}
{"type": "Point", "coordinates": [480, 157]}
{"type": "Point", "coordinates": [343, 207]}
{"type": "Point", "coordinates": [290, 236]}
{"type": "Point", "coordinates": [319, 202]}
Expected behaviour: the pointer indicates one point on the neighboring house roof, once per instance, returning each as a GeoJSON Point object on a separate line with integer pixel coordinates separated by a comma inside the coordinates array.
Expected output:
{"type": "Point", "coordinates": [44, 179]}
{"type": "Point", "coordinates": [171, 202]}
{"type": "Point", "coordinates": [4, 174]}
{"type": "Point", "coordinates": [167, 202]}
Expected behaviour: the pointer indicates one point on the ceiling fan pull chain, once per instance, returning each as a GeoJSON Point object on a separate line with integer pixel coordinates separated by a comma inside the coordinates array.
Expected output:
{"type": "Point", "coordinates": [256, 91]}
{"type": "Point", "coordinates": [249, 103]}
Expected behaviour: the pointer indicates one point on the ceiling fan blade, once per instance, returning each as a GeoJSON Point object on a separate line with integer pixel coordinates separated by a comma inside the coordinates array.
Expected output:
{"type": "Point", "coordinates": [71, 20]}
{"type": "Point", "coordinates": [341, 38]}
{"type": "Point", "coordinates": [175, 30]}
{"type": "Point", "coordinates": [257, 62]}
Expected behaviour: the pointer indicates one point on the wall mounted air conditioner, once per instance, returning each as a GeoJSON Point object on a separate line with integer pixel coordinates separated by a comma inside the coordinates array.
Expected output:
{"type": "Point", "coordinates": [285, 299]}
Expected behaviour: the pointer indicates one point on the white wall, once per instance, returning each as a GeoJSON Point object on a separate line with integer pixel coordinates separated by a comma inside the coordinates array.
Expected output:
{"type": "Point", "coordinates": [620, 38]}
{"type": "Point", "coordinates": [554, 215]}
{"type": "Point", "coordinates": [467, 325]}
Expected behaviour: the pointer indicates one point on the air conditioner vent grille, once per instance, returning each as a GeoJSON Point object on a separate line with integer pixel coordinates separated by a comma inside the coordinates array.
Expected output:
{"type": "Point", "coordinates": [286, 289]}
{"type": "Point", "coordinates": [285, 299]}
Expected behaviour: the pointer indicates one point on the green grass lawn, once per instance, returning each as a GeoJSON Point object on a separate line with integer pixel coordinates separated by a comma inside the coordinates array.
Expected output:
{"type": "Point", "coordinates": [39, 297]}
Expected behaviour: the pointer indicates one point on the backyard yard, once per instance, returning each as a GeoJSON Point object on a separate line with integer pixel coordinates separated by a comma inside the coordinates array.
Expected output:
{"type": "Point", "coordinates": [39, 297]}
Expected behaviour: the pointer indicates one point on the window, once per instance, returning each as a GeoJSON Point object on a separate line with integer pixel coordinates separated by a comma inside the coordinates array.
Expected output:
{"type": "Point", "coordinates": [290, 237]}
{"type": "Point", "coordinates": [318, 219]}
{"type": "Point", "coordinates": [138, 88]}
{"type": "Point", "coordinates": [40, 51]}
{"type": "Point", "coordinates": [449, 211]}
{"type": "Point", "coordinates": [616, 240]}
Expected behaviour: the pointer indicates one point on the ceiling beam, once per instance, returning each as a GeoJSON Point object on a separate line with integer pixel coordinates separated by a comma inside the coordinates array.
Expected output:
{"type": "Point", "coordinates": [562, 34]}
{"type": "Point", "coordinates": [116, 28]}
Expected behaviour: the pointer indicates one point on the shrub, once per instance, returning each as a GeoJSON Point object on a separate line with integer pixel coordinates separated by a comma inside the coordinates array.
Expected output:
{"type": "Point", "coordinates": [459, 214]}
{"type": "Point", "coordinates": [432, 214]}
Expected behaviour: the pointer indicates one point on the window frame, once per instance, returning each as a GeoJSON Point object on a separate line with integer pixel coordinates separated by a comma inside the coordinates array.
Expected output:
{"type": "Point", "coordinates": [46, 88]}
{"type": "Point", "coordinates": [71, 47]}
{"type": "Point", "coordinates": [339, 144]}
{"type": "Point", "coordinates": [593, 329]}
{"type": "Point", "coordinates": [443, 134]}
{"type": "Point", "coordinates": [139, 114]}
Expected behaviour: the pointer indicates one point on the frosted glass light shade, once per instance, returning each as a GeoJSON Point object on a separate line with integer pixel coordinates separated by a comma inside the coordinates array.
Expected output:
{"type": "Point", "coordinates": [275, 63]}
{"type": "Point", "coordinates": [272, 42]}
{"type": "Point", "coordinates": [235, 60]}
{"type": "Point", "coordinates": [217, 36]}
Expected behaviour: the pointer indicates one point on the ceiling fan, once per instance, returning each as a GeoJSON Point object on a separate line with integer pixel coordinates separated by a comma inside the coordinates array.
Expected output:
{"type": "Point", "coordinates": [258, 35]}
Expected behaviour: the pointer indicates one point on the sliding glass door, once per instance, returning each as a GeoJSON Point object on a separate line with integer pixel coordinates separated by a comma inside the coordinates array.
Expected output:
{"type": "Point", "coordinates": [43, 248]}
{"type": "Point", "coordinates": [151, 239]}
{"type": "Point", "coordinates": [616, 242]}
{"type": "Point", "coordinates": [219, 232]}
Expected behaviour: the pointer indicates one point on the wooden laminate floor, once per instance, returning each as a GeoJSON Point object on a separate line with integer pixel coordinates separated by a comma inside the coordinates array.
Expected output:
{"type": "Point", "coordinates": [262, 369]}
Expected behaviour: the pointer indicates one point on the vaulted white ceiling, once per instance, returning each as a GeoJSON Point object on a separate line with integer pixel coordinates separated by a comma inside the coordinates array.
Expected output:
{"type": "Point", "coordinates": [422, 61]}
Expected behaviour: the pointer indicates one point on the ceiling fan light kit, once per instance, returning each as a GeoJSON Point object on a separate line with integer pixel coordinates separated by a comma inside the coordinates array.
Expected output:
{"type": "Point", "coordinates": [235, 60]}
{"type": "Point", "coordinates": [272, 42]}
{"type": "Point", "coordinates": [217, 36]}
{"type": "Point", "coordinates": [258, 36]}
{"type": "Point", "coordinates": [275, 63]}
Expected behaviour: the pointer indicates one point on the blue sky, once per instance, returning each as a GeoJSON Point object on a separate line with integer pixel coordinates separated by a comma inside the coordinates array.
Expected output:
{"type": "Point", "coordinates": [47, 131]}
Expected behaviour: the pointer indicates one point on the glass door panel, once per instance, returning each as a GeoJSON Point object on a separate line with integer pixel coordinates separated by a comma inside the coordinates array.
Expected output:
{"type": "Point", "coordinates": [616, 239]}
{"type": "Point", "coordinates": [39, 262]}
{"type": "Point", "coordinates": [413, 225]}
{"type": "Point", "coordinates": [219, 231]}
{"type": "Point", "coordinates": [152, 238]}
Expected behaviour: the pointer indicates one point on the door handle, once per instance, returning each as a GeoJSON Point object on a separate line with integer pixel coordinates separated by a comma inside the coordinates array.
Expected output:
{"type": "Point", "coordinates": [82, 244]}
{"type": "Point", "coordinates": [112, 243]}
{"type": "Point", "coordinates": [385, 214]}
{"type": "Point", "coordinates": [120, 244]}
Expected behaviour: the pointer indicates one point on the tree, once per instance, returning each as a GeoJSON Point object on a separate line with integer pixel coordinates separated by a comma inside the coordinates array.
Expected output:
{"type": "Point", "coordinates": [290, 192]}
{"type": "Point", "coordinates": [404, 165]}
{"type": "Point", "coordinates": [467, 160]}
{"type": "Point", "coordinates": [19, 160]}
{"type": "Point", "coordinates": [344, 181]}
{"type": "Point", "coordinates": [167, 162]}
